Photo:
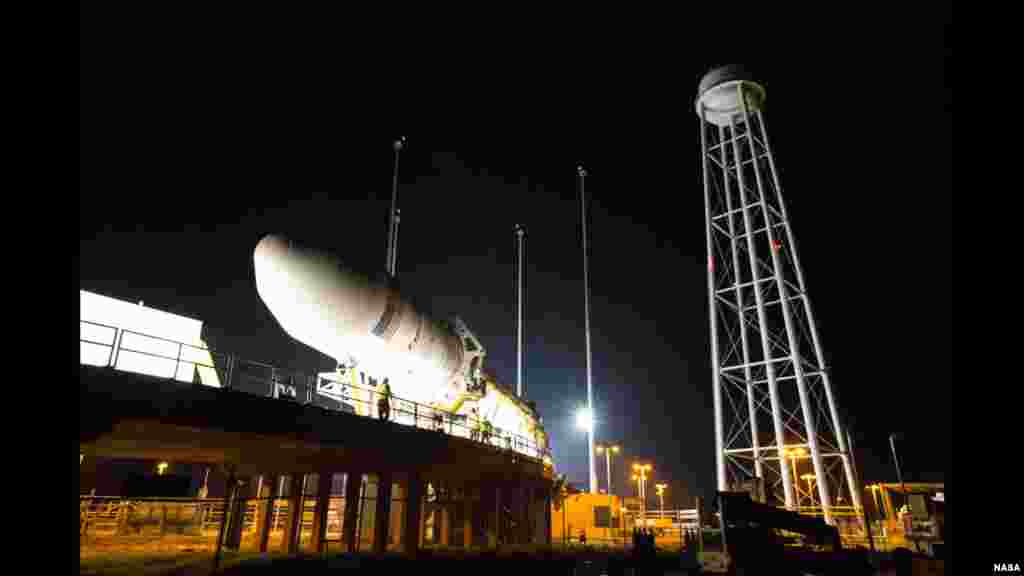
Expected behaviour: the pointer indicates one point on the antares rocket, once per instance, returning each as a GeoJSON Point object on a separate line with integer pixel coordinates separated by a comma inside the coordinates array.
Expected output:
{"type": "Point", "coordinates": [367, 326]}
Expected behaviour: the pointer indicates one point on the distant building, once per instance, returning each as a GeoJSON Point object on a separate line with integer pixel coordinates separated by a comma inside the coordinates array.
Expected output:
{"type": "Point", "coordinates": [599, 516]}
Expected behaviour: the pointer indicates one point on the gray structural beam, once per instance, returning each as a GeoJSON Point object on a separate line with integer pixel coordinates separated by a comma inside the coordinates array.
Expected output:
{"type": "Point", "coordinates": [766, 349]}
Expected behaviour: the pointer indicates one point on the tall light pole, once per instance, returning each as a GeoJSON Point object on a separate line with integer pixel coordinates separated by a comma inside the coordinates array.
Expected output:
{"type": "Point", "coordinates": [393, 218]}
{"type": "Point", "coordinates": [639, 491]}
{"type": "Point", "coordinates": [899, 476]}
{"type": "Point", "coordinates": [623, 511]}
{"type": "Point", "coordinates": [793, 455]}
{"type": "Point", "coordinates": [640, 475]}
{"type": "Point", "coordinates": [582, 172]}
{"type": "Point", "coordinates": [608, 449]}
{"type": "Point", "coordinates": [661, 498]}
{"type": "Point", "coordinates": [519, 236]}
{"type": "Point", "coordinates": [809, 478]}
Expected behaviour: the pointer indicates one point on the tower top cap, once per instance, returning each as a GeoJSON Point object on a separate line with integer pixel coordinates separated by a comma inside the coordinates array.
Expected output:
{"type": "Point", "coordinates": [719, 90]}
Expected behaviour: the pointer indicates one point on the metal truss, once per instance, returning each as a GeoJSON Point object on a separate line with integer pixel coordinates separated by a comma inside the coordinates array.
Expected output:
{"type": "Point", "coordinates": [773, 392]}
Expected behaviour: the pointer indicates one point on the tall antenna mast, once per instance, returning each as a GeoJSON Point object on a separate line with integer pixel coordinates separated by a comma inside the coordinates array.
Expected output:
{"type": "Point", "coordinates": [582, 172]}
{"type": "Point", "coordinates": [519, 237]}
{"type": "Point", "coordinates": [391, 265]}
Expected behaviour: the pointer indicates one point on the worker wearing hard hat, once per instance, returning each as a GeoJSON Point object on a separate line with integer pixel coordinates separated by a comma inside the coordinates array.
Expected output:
{"type": "Point", "coordinates": [488, 429]}
{"type": "Point", "coordinates": [384, 403]}
{"type": "Point", "coordinates": [477, 426]}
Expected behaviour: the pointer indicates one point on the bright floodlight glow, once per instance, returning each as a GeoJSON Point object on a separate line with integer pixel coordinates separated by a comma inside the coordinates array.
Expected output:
{"type": "Point", "coordinates": [584, 420]}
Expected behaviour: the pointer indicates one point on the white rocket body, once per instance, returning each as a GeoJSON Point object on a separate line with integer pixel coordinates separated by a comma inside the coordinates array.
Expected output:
{"type": "Point", "coordinates": [364, 323]}
{"type": "Point", "coordinates": [349, 317]}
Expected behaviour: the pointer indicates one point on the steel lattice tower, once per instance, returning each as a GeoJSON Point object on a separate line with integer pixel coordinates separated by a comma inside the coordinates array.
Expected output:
{"type": "Point", "coordinates": [772, 392]}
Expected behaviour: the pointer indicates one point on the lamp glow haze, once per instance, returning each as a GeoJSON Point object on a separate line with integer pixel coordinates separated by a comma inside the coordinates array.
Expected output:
{"type": "Point", "coordinates": [584, 419]}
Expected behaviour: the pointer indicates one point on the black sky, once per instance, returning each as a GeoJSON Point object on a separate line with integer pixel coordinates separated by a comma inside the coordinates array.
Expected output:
{"type": "Point", "coordinates": [197, 139]}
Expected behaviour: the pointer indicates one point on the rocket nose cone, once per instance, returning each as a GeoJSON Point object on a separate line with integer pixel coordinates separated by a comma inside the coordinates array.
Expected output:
{"type": "Point", "coordinates": [271, 248]}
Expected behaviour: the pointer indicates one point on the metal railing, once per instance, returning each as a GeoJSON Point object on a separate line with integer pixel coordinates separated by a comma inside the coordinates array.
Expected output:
{"type": "Point", "coordinates": [202, 516]}
{"type": "Point", "coordinates": [185, 362]}
{"type": "Point", "coordinates": [683, 516]}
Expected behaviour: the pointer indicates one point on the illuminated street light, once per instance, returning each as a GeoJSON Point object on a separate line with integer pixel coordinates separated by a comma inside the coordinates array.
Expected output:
{"type": "Point", "coordinates": [584, 419]}
{"type": "Point", "coordinates": [793, 455]}
{"type": "Point", "coordinates": [608, 450]}
{"type": "Point", "coordinates": [591, 463]}
{"type": "Point", "coordinates": [809, 478]}
{"type": "Point", "coordinates": [661, 497]}
{"type": "Point", "coordinates": [874, 496]}
{"type": "Point", "coordinates": [161, 468]}
{"type": "Point", "coordinates": [640, 476]}
{"type": "Point", "coordinates": [899, 476]}
{"type": "Point", "coordinates": [623, 510]}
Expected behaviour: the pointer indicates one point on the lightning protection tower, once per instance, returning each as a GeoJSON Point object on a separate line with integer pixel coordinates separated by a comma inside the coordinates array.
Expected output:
{"type": "Point", "coordinates": [776, 417]}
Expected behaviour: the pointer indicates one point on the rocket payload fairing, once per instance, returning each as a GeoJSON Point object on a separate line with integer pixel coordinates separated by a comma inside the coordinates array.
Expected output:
{"type": "Point", "coordinates": [365, 324]}
{"type": "Point", "coordinates": [360, 321]}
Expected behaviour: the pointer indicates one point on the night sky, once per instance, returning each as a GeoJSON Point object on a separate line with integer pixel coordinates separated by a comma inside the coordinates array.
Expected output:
{"type": "Point", "coordinates": [195, 142]}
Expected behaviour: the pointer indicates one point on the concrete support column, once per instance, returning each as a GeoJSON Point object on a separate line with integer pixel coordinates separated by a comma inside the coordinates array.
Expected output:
{"type": "Point", "coordinates": [396, 514]}
{"type": "Point", "coordinates": [547, 520]}
{"type": "Point", "coordinates": [265, 511]}
{"type": "Point", "coordinates": [486, 514]}
{"type": "Point", "coordinates": [515, 507]}
{"type": "Point", "coordinates": [383, 515]}
{"type": "Point", "coordinates": [413, 514]}
{"type": "Point", "coordinates": [353, 490]}
{"type": "Point", "coordinates": [236, 514]}
{"type": "Point", "coordinates": [443, 521]}
{"type": "Point", "coordinates": [323, 502]}
{"type": "Point", "coordinates": [510, 500]}
{"type": "Point", "coordinates": [293, 526]}
{"type": "Point", "coordinates": [524, 514]}
{"type": "Point", "coordinates": [526, 527]}
{"type": "Point", "coordinates": [538, 518]}
{"type": "Point", "coordinates": [494, 516]}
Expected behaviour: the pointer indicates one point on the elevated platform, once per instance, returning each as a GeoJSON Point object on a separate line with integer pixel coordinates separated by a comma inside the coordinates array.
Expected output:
{"type": "Point", "coordinates": [128, 415]}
